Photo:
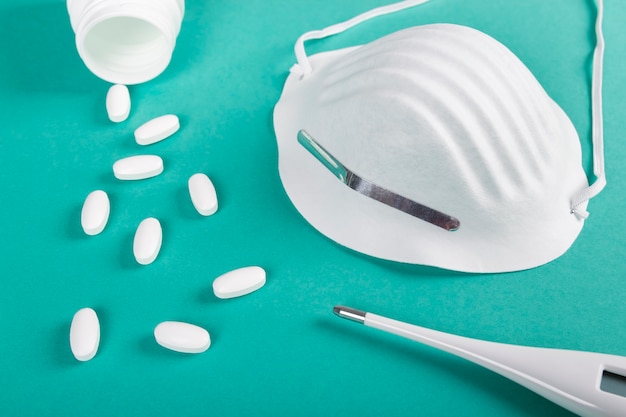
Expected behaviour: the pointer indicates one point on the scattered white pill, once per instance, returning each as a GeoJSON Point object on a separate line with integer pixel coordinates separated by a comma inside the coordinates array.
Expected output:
{"type": "Point", "coordinates": [118, 103]}
{"type": "Point", "coordinates": [85, 334]}
{"type": "Point", "coordinates": [138, 167]}
{"type": "Point", "coordinates": [182, 337]}
{"type": "Point", "coordinates": [239, 282]}
{"type": "Point", "coordinates": [157, 129]}
{"type": "Point", "coordinates": [202, 194]}
{"type": "Point", "coordinates": [95, 212]}
{"type": "Point", "coordinates": [147, 242]}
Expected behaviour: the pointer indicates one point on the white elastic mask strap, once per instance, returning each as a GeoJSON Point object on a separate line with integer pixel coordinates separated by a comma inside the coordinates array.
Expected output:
{"type": "Point", "coordinates": [304, 67]}
{"type": "Point", "coordinates": [597, 124]}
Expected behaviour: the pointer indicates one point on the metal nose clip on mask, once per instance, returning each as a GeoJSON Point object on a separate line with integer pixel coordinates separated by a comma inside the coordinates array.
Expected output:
{"type": "Point", "coordinates": [435, 145]}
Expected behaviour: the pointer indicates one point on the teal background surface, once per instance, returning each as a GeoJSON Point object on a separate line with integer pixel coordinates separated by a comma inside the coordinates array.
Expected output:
{"type": "Point", "coordinates": [279, 351]}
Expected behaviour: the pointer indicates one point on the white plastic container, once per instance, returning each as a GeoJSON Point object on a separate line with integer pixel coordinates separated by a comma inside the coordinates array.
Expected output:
{"type": "Point", "coordinates": [126, 41]}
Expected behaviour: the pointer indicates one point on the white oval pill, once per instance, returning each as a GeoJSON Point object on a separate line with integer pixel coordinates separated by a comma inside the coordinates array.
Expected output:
{"type": "Point", "coordinates": [147, 242]}
{"type": "Point", "coordinates": [202, 194]}
{"type": "Point", "coordinates": [239, 282]}
{"type": "Point", "coordinates": [85, 334]}
{"type": "Point", "coordinates": [138, 167]}
{"type": "Point", "coordinates": [118, 103]}
{"type": "Point", "coordinates": [157, 129]}
{"type": "Point", "coordinates": [182, 337]}
{"type": "Point", "coordinates": [95, 212]}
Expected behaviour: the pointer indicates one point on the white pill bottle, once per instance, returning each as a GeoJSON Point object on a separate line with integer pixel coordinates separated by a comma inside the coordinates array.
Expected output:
{"type": "Point", "coordinates": [126, 41]}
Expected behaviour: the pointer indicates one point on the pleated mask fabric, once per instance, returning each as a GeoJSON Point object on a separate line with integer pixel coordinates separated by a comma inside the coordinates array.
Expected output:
{"type": "Point", "coordinates": [444, 118]}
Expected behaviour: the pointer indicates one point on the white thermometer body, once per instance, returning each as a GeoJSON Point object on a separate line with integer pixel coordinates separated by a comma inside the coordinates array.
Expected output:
{"type": "Point", "coordinates": [588, 384]}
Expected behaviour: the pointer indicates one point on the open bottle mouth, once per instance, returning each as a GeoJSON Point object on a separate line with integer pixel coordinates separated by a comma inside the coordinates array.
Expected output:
{"type": "Point", "coordinates": [127, 42]}
{"type": "Point", "coordinates": [126, 50]}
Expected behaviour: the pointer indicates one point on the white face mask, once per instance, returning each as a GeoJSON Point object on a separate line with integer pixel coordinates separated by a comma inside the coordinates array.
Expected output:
{"type": "Point", "coordinates": [434, 145]}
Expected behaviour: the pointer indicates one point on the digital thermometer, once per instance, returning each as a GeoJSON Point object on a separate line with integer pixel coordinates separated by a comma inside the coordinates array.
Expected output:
{"type": "Point", "coordinates": [586, 383]}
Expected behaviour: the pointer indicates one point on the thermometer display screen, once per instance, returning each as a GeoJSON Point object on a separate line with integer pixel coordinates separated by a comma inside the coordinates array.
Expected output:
{"type": "Point", "coordinates": [613, 383]}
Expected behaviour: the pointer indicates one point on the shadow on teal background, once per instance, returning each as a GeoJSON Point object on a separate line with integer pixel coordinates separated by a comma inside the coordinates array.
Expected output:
{"type": "Point", "coordinates": [279, 351]}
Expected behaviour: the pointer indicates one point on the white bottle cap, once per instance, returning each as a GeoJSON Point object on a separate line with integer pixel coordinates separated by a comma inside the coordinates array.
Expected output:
{"type": "Point", "coordinates": [126, 41]}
